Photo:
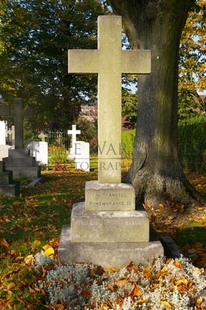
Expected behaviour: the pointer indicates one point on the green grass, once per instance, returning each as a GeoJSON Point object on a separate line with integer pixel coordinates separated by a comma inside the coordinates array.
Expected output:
{"type": "Point", "coordinates": [192, 235]}
{"type": "Point", "coordinates": [32, 220]}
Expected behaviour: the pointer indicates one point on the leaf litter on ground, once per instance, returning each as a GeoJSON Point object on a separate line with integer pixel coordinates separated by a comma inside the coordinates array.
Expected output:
{"type": "Point", "coordinates": [31, 224]}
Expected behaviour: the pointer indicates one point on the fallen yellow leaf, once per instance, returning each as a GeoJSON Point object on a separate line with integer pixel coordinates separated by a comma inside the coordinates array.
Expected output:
{"type": "Point", "coordinates": [147, 272]}
{"type": "Point", "coordinates": [36, 243]}
{"type": "Point", "coordinates": [29, 259]}
{"type": "Point", "coordinates": [48, 250]}
{"type": "Point", "coordinates": [166, 303]}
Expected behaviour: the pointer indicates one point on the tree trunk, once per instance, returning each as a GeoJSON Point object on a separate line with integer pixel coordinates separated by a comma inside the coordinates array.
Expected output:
{"type": "Point", "coordinates": [156, 172]}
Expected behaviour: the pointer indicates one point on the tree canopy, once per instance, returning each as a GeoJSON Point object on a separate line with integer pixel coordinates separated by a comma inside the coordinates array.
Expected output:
{"type": "Point", "coordinates": [36, 36]}
{"type": "Point", "coordinates": [192, 62]}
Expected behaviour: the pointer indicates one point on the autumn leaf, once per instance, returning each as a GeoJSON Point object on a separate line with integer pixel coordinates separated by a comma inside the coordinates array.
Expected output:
{"type": "Point", "coordinates": [55, 307]}
{"type": "Point", "coordinates": [5, 243]}
{"type": "Point", "coordinates": [29, 259]}
{"type": "Point", "coordinates": [48, 250]}
{"type": "Point", "coordinates": [166, 303]}
{"type": "Point", "coordinates": [178, 264]}
{"type": "Point", "coordinates": [182, 285]}
{"type": "Point", "coordinates": [121, 282]}
{"type": "Point", "coordinates": [86, 293]}
{"type": "Point", "coordinates": [110, 287]}
{"type": "Point", "coordinates": [141, 301]}
{"type": "Point", "coordinates": [135, 291]}
{"type": "Point", "coordinates": [36, 243]}
{"type": "Point", "coordinates": [147, 272]}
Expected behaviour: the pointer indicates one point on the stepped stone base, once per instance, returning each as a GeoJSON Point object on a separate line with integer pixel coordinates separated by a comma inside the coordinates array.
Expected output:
{"type": "Point", "coordinates": [108, 226]}
{"type": "Point", "coordinates": [106, 254]}
{"type": "Point", "coordinates": [21, 164]}
{"type": "Point", "coordinates": [30, 172]}
{"type": "Point", "coordinates": [7, 187]}
{"type": "Point", "coordinates": [107, 197]}
{"type": "Point", "coordinates": [9, 190]}
{"type": "Point", "coordinates": [106, 229]}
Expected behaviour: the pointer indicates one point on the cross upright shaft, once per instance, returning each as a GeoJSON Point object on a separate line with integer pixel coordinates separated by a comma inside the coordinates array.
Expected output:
{"type": "Point", "coordinates": [109, 61]}
{"type": "Point", "coordinates": [17, 114]}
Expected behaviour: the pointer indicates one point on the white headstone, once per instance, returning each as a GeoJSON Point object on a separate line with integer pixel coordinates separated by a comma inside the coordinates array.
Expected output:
{"type": "Point", "coordinates": [39, 150]}
{"type": "Point", "coordinates": [4, 151]}
{"type": "Point", "coordinates": [82, 155]}
{"type": "Point", "coordinates": [2, 133]}
{"type": "Point", "coordinates": [74, 132]}
{"type": "Point", "coordinates": [42, 136]}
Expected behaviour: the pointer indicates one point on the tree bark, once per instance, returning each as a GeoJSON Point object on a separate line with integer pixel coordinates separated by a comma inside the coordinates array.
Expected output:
{"type": "Point", "coordinates": [156, 172]}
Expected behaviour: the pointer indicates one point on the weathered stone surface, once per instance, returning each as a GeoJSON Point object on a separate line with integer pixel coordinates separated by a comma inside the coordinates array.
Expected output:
{"type": "Point", "coordinates": [107, 254]}
{"type": "Point", "coordinates": [108, 226]}
{"type": "Point", "coordinates": [9, 190]}
{"type": "Point", "coordinates": [21, 164]}
{"type": "Point", "coordinates": [109, 61]}
{"type": "Point", "coordinates": [109, 231]}
{"type": "Point", "coordinates": [5, 177]}
{"type": "Point", "coordinates": [108, 197]}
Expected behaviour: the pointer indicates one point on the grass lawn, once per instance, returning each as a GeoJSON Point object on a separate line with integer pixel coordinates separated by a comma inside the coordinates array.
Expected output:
{"type": "Point", "coordinates": [33, 222]}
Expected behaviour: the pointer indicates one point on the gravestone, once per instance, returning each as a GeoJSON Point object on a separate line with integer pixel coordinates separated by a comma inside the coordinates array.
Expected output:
{"type": "Point", "coordinates": [2, 133]}
{"type": "Point", "coordinates": [74, 132]}
{"type": "Point", "coordinates": [18, 159]}
{"type": "Point", "coordinates": [82, 155]}
{"type": "Point", "coordinates": [4, 149]}
{"type": "Point", "coordinates": [7, 186]}
{"type": "Point", "coordinates": [39, 149]}
{"type": "Point", "coordinates": [106, 229]}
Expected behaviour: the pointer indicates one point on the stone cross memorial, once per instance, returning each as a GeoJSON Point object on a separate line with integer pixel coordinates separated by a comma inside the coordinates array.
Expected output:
{"type": "Point", "coordinates": [106, 229]}
{"type": "Point", "coordinates": [18, 114]}
{"type": "Point", "coordinates": [18, 160]}
{"type": "Point", "coordinates": [42, 136]}
{"type": "Point", "coordinates": [109, 61]}
{"type": "Point", "coordinates": [74, 132]}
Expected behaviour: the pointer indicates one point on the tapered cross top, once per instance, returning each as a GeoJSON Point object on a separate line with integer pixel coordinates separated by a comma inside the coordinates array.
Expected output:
{"type": "Point", "coordinates": [109, 61]}
{"type": "Point", "coordinates": [18, 115]}
{"type": "Point", "coordinates": [74, 132]}
{"type": "Point", "coordinates": [42, 136]}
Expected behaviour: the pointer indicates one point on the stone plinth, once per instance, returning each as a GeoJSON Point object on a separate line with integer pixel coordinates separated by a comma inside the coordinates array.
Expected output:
{"type": "Point", "coordinates": [7, 186]}
{"type": "Point", "coordinates": [21, 164]}
{"type": "Point", "coordinates": [108, 226]}
{"type": "Point", "coordinates": [106, 254]}
{"type": "Point", "coordinates": [109, 197]}
{"type": "Point", "coordinates": [110, 237]}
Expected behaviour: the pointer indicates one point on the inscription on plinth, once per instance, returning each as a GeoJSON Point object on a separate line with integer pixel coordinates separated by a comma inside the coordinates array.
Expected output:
{"type": "Point", "coordinates": [109, 197]}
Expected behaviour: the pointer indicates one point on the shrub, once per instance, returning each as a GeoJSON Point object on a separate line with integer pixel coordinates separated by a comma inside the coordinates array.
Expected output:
{"type": "Point", "coordinates": [57, 154]}
{"type": "Point", "coordinates": [162, 283]}
{"type": "Point", "coordinates": [192, 143]}
{"type": "Point", "coordinates": [127, 143]}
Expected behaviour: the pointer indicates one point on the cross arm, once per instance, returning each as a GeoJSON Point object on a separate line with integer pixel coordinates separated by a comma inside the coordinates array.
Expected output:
{"type": "Point", "coordinates": [136, 61]}
{"type": "Point", "coordinates": [5, 110]}
{"type": "Point", "coordinates": [83, 61]}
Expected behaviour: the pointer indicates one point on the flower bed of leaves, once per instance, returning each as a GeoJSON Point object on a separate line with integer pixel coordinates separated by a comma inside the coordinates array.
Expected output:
{"type": "Point", "coordinates": [31, 224]}
{"type": "Point", "coordinates": [162, 284]}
